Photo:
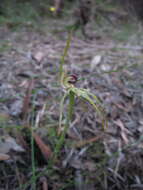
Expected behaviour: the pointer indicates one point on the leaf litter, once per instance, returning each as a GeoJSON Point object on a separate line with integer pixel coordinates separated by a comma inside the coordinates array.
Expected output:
{"type": "Point", "coordinates": [91, 158]}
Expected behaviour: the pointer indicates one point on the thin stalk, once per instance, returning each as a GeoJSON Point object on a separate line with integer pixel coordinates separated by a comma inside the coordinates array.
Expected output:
{"type": "Point", "coordinates": [33, 162]}
{"type": "Point", "coordinates": [71, 106]}
{"type": "Point", "coordinates": [62, 61]}
{"type": "Point", "coordinates": [68, 119]}
{"type": "Point", "coordinates": [33, 151]}
{"type": "Point", "coordinates": [61, 112]}
{"type": "Point", "coordinates": [62, 74]}
{"type": "Point", "coordinates": [60, 142]}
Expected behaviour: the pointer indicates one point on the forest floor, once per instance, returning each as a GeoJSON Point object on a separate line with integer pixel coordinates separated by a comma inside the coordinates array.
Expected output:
{"type": "Point", "coordinates": [111, 67]}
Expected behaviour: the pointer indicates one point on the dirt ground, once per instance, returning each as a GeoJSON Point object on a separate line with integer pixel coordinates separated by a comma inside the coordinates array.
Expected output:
{"type": "Point", "coordinates": [112, 69]}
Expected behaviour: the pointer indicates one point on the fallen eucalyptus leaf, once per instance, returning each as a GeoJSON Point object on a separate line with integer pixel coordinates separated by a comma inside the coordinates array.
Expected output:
{"type": "Point", "coordinates": [4, 157]}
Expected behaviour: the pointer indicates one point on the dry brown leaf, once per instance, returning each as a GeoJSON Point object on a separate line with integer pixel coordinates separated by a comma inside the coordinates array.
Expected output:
{"type": "Point", "coordinates": [45, 149]}
{"type": "Point", "coordinates": [124, 131]}
{"type": "Point", "coordinates": [85, 142]}
{"type": "Point", "coordinates": [40, 115]}
{"type": "Point", "coordinates": [122, 107]}
{"type": "Point", "coordinates": [44, 182]}
{"type": "Point", "coordinates": [38, 57]}
{"type": "Point", "coordinates": [4, 157]}
{"type": "Point", "coordinates": [26, 100]}
{"type": "Point", "coordinates": [24, 84]}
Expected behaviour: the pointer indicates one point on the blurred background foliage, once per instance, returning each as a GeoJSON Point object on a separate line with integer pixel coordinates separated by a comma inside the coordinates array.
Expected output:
{"type": "Point", "coordinates": [15, 13]}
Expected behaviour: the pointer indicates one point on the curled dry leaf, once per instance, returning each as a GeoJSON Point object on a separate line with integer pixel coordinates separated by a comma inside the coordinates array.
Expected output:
{"type": "Point", "coordinates": [45, 149]}
{"type": "Point", "coordinates": [95, 62]}
{"type": "Point", "coordinates": [124, 131]}
{"type": "Point", "coordinates": [8, 143]}
{"type": "Point", "coordinates": [40, 115]}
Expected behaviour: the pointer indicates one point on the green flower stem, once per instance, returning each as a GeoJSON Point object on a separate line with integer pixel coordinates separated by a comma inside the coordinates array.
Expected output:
{"type": "Point", "coordinates": [62, 61]}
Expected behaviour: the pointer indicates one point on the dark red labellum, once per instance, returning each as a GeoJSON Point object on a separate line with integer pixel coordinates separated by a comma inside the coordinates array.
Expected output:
{"type": "Point", "coordinates": [72, 79]}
